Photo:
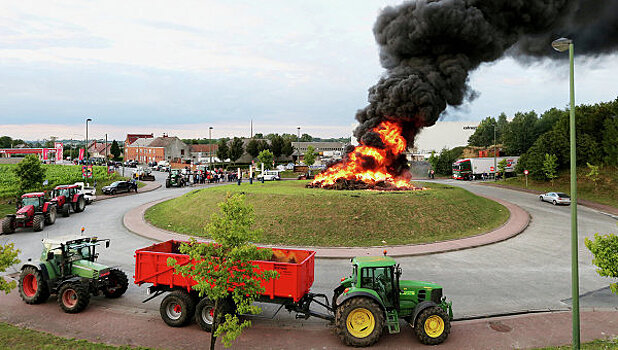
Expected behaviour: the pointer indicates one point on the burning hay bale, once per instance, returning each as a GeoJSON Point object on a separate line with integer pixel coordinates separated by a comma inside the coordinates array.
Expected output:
{"type": "Point", "coordinates": [353, 184]}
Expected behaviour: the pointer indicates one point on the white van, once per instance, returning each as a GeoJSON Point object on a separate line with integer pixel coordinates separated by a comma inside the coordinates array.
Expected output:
{"type": "Point", "coordinates": [269, 175]}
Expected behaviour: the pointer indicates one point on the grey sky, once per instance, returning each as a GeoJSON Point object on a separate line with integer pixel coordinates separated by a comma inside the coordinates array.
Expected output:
{"type": "Point", "coordinates": [179, 67]}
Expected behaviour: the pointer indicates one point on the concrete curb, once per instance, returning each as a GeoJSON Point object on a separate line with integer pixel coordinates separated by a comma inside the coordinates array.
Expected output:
{"type": "Point", "coordinates": [518, 220]}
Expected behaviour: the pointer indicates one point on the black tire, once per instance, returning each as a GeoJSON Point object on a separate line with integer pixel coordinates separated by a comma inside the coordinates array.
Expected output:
{"type": "Point", "coordinates": [554, 202]}
{"type": "Point", "coordinates": [66, 210]}
{"type": "Point", "coordinates": [204, 315]}
{"type": "Point", "coordinates": [541, 198]}
{"type": "Point", "coordinates": [342, 321]}
{"type": "Point", "coordinates": [80, 205]}
{"type": "Point", "coordinates": [177, 308]}
{"type": "Point", "coordinates": [8, 225]}
{"type": "Point", "coordinates": [50, 217]}
{"type": "Point", "coordinates": [167, 183]}
{"type": "Point", "coordinates": [38, 223]}
{"type": "Point", "coordinates": [423, 325]}
{"type": "Point", "coordinates": [32, 288]}
{"type": "Point", "coordinates": [73, 297]}
{"type": "Point", "coordinates": [118, 284]}
{"type": "Point", "coordinates": [113, 192]}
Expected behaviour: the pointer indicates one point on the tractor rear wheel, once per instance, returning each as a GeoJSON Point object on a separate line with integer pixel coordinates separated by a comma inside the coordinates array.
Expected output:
{"type": "Point", "coordinates": [80, 205]}
{"type": "Point", "coordinates": [167, 183]}
{"type": "Point", "coordinates": [38, 223]}
{"type": "Point", "coordinates": [432, 326]}
{"type": "Point", "coordinates": [359, 322]}
{"type": "Point", "coordinates": [8, 224]}
{"type": "Point", "coordinates": [66, 210]}
{"type": "Point", "coordinates": [73, 297]}
{"type": "Point", "coordinates": [50, 217]}
{"type": "Point", "coordinates": [118, 284]}
{"type": "Point", "coordinates": [177, 308]}
{"type": "Point", "coordinates": [32, 287]}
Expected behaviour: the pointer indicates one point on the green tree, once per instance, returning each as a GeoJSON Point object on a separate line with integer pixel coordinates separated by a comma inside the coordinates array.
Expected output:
{"type": "Point", "coordinates": [287, 148]}
{"type": "Point", "coordinates": [30, 173]}
{"type": "Point", "coordinates": [310, 156]}
{"type": "Point", "coordinates": [442, 164]}
{"type": "Point", "coordinates": [8, 257]}
{"type": "Point", "coordinates": [17, 142]}
{"type": "Point", "coordinates": [115, 150]}
{"type": "Point", "coordinates": [593, 174]}
{"type": "Point", "coordinates": [258, 136]}
{"type": "Point", "coordinates": [253, 148]}
{"type": "Point", "coordinates": [276, 145]}
{"type": "Point", "coordinates": [263, 145]}
{"type": "Point", "coordinates": [223, 150]}
{"type": "Point", "coordinates": [6, 142]}
{"type": "Point", "coordinates": [501, 127]}
{"type": "Point", "coordinates": [502, 168]}
{"type": "Point", "coordinates": [484, 134]}
{"type": "Point", "coordinates": [605, 251]}
{"type": "Point", "coordinates": [306, 138]}
{"type": "Point", "coordinates": [520, 134]}
{"type": "Point", "coordinates": [236, 149]}
{"type": "Point", "coordinates": [550, 167]}
{"type": "Point", "coordinates": [609, 141]}
{"type": "Point", "coordinates": [266, 157]}
{"type": "Point", "coordinates": [224, 269]}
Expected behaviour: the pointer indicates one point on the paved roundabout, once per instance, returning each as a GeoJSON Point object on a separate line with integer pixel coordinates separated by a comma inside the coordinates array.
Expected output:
{"type": "Point", "coordinates": [528, 272]}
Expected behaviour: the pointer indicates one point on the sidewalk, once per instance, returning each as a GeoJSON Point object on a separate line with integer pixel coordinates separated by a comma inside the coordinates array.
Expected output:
{"type": "Point", "coordinates": [102, 322]}
{"type": "Point", "coordinates": [518, 221]}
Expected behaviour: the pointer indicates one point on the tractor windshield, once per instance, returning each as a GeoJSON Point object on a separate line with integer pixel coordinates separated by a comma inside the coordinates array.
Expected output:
{"type": "Point", "coordinates": [34, 201]}
{"type": "Point", "coordinates": [61, 192]}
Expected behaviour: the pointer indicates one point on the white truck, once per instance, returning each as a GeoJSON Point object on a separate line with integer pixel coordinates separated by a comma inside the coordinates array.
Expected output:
{"type": "Point", "coordinates": [269, 175]}
{"type": "Point", "coordinates": [477, 168]}
{"type": "Point", "coordinates": [88, 191]}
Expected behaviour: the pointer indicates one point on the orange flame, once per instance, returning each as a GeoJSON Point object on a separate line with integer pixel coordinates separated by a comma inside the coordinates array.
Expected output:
{"type": "Point", "coordinates": [369, 164]}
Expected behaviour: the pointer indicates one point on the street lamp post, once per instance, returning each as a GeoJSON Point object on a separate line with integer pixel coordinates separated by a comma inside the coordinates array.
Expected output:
{"type": "Point", "coordinates": [210, 146]}
{"type": "Point", "coordinates": [298, 145]}
{"type": "Point", "coordinates": [495, 160]}
{"type": "Point", "coordinates": [562, 45]}
{"type": "Point", "coordinates": [86, 146]}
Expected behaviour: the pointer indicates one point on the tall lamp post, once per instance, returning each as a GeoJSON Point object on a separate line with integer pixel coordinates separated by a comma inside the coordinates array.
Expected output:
{"type": "Point", "coordinates": [562, 45]}
{"type": "Point", "coordinates": [495, 160]}
{"type": "Point", "coordinates": [210, 146]}
{"type": "Point", "coordinates": [86, 147]}
{"type": "Point", "coordinates": [298, 144]}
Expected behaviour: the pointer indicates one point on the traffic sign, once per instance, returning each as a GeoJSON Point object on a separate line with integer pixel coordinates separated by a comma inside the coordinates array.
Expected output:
{"type": "Point", "coordinates": [526, 172]}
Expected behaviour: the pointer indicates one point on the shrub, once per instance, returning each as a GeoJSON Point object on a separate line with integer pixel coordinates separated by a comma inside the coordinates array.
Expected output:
{"type": "Point", "coordinates": [605, 251]}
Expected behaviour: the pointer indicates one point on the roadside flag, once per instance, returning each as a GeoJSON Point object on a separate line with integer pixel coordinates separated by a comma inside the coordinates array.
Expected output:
{"type": "Point", "coordinates": [81, 154]}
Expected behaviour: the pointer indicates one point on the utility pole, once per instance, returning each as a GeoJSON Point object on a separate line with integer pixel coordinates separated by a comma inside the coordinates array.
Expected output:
{"type": "Point", "coordinates": [495, 160]}
{"type": "Point", "coordinates": [251, 128]}
{"type": "Point", "coordinates": [86, 146]}
{"type": "Point", "coordinates": [298, 144]}
{"type": "Point", "coordinates": [210, 146]}
{"type": "Point", "coordinates": [106, 158]}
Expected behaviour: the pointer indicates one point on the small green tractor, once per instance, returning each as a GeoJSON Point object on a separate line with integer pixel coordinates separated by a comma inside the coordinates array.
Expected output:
{"type": "Point", "coordinates": [374, 299]}
{"type": "Point", "coordinates": [175, 179]}
{"type": "Point", "coordinates": [68, 268]}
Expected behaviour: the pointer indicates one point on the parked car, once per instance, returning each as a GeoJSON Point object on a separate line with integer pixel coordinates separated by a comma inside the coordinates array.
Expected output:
{"type": "Point", "coordinates": [88, 191]}
{"type": "Point", "coordinates": [269, 175]}
{"type": "Point", "coordinates": [306, 176]}
{"type": "Point", "coordinates": [119, 187]}
{"type": "Point", "coordinates": [555, 198]}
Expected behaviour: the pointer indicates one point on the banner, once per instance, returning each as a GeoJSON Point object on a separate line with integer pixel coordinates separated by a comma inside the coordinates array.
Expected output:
{"type": "Point", "coordinates": [59, 151]}
{"type": "Point", "coordinates": [87, 171]}
{"type": "Point", "coordinates": [45, 150]}
{"type": "Point", "coordinates": [81, 154]}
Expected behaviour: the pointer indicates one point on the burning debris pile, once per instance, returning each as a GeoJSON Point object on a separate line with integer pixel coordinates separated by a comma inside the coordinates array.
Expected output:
{"type": "Point", "coordinates": [429, 47]}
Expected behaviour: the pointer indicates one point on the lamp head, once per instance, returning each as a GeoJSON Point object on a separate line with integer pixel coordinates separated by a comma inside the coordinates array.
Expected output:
{"type": "Point", "coordinates": [88, 120]}
{"type": "Point", "coordinates": [561, 44]}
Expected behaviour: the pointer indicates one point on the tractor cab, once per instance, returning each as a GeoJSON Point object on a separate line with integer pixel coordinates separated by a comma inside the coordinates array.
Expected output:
{"type": "Point", "coordinates": [35, 199]}
{"type": "Point", "coordinates": [73, 255]}
{"type": "Point", "coordinates": [68, 191]}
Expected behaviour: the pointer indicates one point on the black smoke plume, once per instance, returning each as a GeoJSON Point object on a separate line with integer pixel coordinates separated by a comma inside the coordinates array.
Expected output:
{"type": "Point", "coordinates": [429, 47]}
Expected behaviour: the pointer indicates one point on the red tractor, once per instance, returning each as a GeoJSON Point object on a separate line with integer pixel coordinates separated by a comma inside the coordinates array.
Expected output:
{"type": "Point", "coordinates": [33, 210]}
{"type": "Point", "coordinates": [68, 198]}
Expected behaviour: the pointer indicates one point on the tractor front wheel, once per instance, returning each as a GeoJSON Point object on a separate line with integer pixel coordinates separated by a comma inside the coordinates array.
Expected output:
{"type": "Point", "coordinates": [66, 210]}
{"type": "Point", "coordinates": [8, 224]}
{"type": "Point", "coordinates": [167, 183]}
{"type": "Point", "coordinates": [32, 288]}
{"type": "Point", "coordinates": [432, 326]}
{"type": "Point", "coordinates": [177, 308]}
{"type": "Point", "coordinates": [80, 205]}
{"type": "Point", "coordinates": [38, 223]}
{"type": "Point", "coordinates": [359, 322]}
{"type": "Point", "coordinates": [50, 217]}
{"type": "Point", "coordinates": [73, 297]}
{"type": "Point", "coordinates": [118, 284]}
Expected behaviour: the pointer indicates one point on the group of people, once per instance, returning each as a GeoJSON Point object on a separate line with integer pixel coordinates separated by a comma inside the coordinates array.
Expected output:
{"type": "Point", "coordinates": [210, 176]}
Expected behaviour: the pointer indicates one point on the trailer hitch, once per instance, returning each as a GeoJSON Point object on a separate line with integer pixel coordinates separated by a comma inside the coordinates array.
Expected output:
{"type": "Point", "coordinates": [302, 307]}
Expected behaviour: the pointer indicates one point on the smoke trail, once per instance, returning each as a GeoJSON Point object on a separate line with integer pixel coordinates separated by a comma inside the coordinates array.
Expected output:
{"type": "Point", "coordinates": [429, 47]}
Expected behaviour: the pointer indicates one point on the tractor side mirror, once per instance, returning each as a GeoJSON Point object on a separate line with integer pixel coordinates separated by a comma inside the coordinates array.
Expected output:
{"type": "Point", "coordinates": [106, 244]}
{"type": "Point", "coordinates": [50, 255]}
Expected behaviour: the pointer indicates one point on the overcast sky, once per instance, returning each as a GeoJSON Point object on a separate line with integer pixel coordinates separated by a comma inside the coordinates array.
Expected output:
{"type": "Point", "coordinates": [182, 66]}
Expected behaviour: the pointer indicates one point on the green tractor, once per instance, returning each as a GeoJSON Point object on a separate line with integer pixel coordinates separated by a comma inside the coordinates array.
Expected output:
{"type": "Point", "coordinates": [374, 299]}
{"type": "Point", "coordinates": [174, 179]}
{"type": "Point", "coordinates": [68, 268]}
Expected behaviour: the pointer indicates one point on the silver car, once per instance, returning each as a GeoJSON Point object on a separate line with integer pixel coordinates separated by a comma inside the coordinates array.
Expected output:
{"type": "Point", "coordinates": [556, 198]}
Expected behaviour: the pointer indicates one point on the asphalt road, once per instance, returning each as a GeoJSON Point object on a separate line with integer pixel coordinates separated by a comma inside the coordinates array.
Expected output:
{"type": "Point", "coordinates": [528, 272]}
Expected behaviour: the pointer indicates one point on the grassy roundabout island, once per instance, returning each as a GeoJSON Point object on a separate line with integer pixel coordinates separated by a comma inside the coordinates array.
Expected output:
{"type": "Point", "coordinates": [288, 213]}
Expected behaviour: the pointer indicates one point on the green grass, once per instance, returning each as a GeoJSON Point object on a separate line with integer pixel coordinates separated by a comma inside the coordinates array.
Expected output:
{"type": "Point", "coordinates": [17, 338]}
{"type": "Point", "coordinates": [600, 344]}
{"type": "Point", "coordinates": [604, 192]}
{"type": "Point", "coordinates": [6, 208]}
{"type": "Point", "coordinates": [289, 213]}
{"type": "Point", "coordinates": [289, 174]}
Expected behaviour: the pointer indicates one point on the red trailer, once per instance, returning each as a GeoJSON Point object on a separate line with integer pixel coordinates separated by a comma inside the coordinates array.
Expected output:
{"type": "Point", "coordinates": [290, 289]}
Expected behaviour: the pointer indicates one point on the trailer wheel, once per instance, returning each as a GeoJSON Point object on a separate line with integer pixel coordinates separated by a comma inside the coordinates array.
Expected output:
{"type": "Point", "coordinates": [32, 288]}
{"type": "Point", "coordinates": [118, 284]}
{"type": "Point", "coordinates": [73, 297]}
{"type": "Point", "coordinates": [177, 308]}
{"type": "Point", "coordinates": [38, 223]}
{"type": "Point", "coordinates": [359, 322]}
{"type": "Point", "coordinates": [204, 314]}
{"type": "Point", "coordinates": [8, 224]}
{"type": "Point", "coordinates": [432, 326]}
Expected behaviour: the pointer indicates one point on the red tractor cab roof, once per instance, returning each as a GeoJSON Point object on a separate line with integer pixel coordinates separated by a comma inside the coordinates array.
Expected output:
{"type": "Point", "coordinates": [33, 195]}
{"type": "Point", "coordinates": [62, 187]}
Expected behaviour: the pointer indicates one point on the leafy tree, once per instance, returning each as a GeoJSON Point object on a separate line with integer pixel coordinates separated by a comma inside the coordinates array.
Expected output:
{"type": "Point", "coordinates": [236, 149]}
{"type": "Point", "coordinates": [6, 142]}
{"type": "Point", "coordinates": [609, 141]}
{"type": "Point", "coordinates": [502, 168]}
{"type": "Point", "coordinates": [548, 119]}
{"type": "Point", "coordinates": [593, 174]}
{"type": "Point", "coordinates": [520, 134]}
{"type": "Point", "coordinates": [310, 156]}
{"type": "Point", "coordinates": [223, 150]}
{"type": "Point", "coordinates": [442, 164]}
{"type": "Point", "coordinates": [550, 167]}
{"type": "Point", "coordinates": [50, 143]}
{"type": "Point", "coordinates": [266, 157]}
{"type": "Point", "coordinates": [8, 257]}
{"type": "Point", "coordinates": [484, 134]}
{"type": "Point", "coordinates": [263, 145]}
{"type": "Point", "coordinates": [253, 148]}
{"type": "Point", "coordinates": [605, 251]}
{"type": "Point", "coordinates": [306, 138]}
{"type": "Point", "coordinates": [224, 269]}
{"type": "Point", "coordinates": [17, 142]}
{"type": "Point", "coordinates": [276, 145]}
{"type": "Point", "coordinates": [501, 127]}
{"type": "Point", "coordinates": [287, 148]}
{"type": "Point", "coordinates": [258, 136]}
{"type": "Point", "coordinates": [115, 150]}
{"type": "Point", "coordinates": [30, 173]}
